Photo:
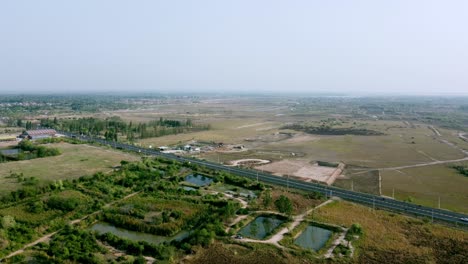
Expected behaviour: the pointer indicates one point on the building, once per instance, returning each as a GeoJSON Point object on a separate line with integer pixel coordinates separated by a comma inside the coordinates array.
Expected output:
{"type": "Point", "coordinates": [39, 134]}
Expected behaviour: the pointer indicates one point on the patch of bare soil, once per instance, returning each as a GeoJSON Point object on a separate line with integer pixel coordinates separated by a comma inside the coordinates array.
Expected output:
{"type": "Point", "coordinates": [301, 137]}
{"type": "Point", "coordinates": [248, 162]}
{"type": "Point", "coordinates": [273, 137]}
{"type": "Point", "coordinates": [301, 169]}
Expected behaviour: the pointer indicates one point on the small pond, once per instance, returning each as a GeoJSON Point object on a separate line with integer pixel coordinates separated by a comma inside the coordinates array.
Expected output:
{"type": "Point", "coordinates": [103, 227]}
{"type": "Point", "coordinates": [187, 188]}
{"type": "Point", "coordinates": [261, 227]}
{"type": "Point", "coordinates": [10, 152]}
{"type": "Point", "coordinates": [199, 180]}
{"type": "Point", "coordinates": [313, 237]}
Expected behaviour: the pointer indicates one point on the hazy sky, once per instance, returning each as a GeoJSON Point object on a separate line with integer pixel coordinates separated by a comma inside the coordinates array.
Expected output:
{"type": "Point", "coordinates": [397, 46]}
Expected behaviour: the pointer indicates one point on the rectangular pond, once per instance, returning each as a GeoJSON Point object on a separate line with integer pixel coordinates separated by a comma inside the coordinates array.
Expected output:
{"type": "Point", "coordinates": [103, 227]}
{"type": "Point", "coordinates": [313, 237]}
{"type": "Point", "coordinates": [261, 227]}
{"type": "Point", "coordinates": [198, 180]}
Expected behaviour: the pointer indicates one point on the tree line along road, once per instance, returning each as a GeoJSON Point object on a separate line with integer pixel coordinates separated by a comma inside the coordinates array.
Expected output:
{"type": "Point", "coordinates": [370, 200]}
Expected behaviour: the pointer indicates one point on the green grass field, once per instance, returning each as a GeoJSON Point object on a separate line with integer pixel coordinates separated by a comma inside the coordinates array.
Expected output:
{"type": "Point", "coordinates": [427, 184]}
{"type": "Point", "coordinates": [75, 161]}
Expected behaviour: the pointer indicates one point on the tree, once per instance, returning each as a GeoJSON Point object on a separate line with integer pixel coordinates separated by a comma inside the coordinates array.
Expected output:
{"type": "Point", "coordinates": [284, 205]}
{"type": "Point", "coordinates": [8, 221]}
{"type": "Point", "coordinates": [267, 199]}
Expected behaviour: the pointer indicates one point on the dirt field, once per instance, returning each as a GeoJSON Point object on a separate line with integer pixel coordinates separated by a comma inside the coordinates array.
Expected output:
{"type": "Point", "coordinates": [248, 162]}
{"type": "Point", "coordinates": [299, 168]}
{"type": "Point", "coordinates": [75, 161]}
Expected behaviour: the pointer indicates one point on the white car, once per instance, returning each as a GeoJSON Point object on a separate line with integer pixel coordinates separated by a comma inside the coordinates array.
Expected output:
{"type": "Point", "coordinates": [464, 219]}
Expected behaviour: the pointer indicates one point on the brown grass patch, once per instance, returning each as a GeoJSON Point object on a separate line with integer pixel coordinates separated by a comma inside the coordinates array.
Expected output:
{"type": "Point", "coordinates": [391, 238]}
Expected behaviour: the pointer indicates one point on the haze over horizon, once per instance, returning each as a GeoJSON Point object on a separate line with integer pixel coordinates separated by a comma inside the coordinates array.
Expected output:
{"type": "Point", "coordinates": [363, 47]}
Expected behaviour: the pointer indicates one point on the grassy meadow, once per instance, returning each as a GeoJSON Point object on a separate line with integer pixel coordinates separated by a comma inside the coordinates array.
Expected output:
{"type": "Point", "coordinates": [75, 161]}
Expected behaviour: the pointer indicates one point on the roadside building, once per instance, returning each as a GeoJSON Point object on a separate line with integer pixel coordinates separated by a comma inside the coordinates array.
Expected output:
{"type": "Point", "coordinates": [187, 148]}
{"type": "Point", "coordinates": [39, 134]}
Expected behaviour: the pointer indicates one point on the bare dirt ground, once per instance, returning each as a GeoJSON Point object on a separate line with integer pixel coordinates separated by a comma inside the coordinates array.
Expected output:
{"type": "Point", "coordinates": [300, 138]}
{"type": "Point", "coordinates": [252, 125]}
{"type": "Point", "coordinates": [299, 168]}
{"type": "Point", "coordinates": [248, 162]}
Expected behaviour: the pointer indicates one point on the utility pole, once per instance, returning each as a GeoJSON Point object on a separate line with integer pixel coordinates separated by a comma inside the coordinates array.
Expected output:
{"type": "Point", "coordinates": [257, 176]}
{"type": "Point", "coordinates": [439, 202]}
{"type": "Point", "coordinates": [393, 193]}
{"type": "Point", "coordinates": [287, 182]}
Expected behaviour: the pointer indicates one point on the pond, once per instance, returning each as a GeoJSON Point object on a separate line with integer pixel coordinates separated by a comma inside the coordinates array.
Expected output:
{"type": "Point", "coordinates": [9, 152]}
{"type": "Point", "coordinates": [199, 180]}
{"type": "Point", "coordinates": [187, 188]}
{"type": "Point", "coordinates": [103, 227]}
{"type": "Point", "coordinates": [261, 227]}
{"type": "Point", "coordinates": [313, 237]}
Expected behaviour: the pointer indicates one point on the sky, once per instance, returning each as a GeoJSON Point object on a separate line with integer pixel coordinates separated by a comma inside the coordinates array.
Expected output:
{"type": "Point", "coordinates": [352, 46]}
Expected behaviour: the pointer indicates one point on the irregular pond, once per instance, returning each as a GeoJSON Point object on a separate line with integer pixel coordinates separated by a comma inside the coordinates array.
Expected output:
{"type": "Point", "coordinates": [261, 227]}
{"type": "Point", "coordinates": [10, 152]}
{"type": "Point", "coordinates": [199, 180]}
{"type": "Point", "coordinates": [103, 227]}
{"type": "Point", "coordinates": [313, 237]}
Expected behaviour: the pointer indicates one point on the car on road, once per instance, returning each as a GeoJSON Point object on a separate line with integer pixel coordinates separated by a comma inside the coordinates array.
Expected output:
{"type": "Point", "coordinates": [464, 219]}
{"type": "Point", "coordinates": [238, 237]}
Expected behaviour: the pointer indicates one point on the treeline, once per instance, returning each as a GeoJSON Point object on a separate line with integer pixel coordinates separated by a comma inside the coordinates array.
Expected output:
{"type": "Point", "coordinates": [461, 169]}
{"type": "Point", "coordinates": [29, 150]}
{"type": "Point", "coordinates": [113, 127]}
{"type": "Point", "coordinates": [329, 130]}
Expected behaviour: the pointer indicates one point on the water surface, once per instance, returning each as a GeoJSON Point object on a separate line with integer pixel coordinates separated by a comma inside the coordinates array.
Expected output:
{"type": "Point", "coordinates": [199, 180]}
{"type": "Point", "coordinates": [261, 227]}
{"type": "Point", "coordinates": [103, 227]}
{"type": "Point", "coordinates": [313, 237]}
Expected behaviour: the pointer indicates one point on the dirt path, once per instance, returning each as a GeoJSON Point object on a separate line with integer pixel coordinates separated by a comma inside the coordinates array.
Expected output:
{"type": "Point", "coordinates": [340, 240]}
{"type": "Point", "coordinates": [46, 238]}
{"type": "Point", "coordinates": [463, 136]}
{"type": "Point", "coordinates": [335, 174]}
{"type": "Point", "coordinates": [40, 240]}
{"type": "Point", "coordinates": [253, 125]}
{"type": "Point", "coordinates": [413, 166]}
{"type": "Point", "coordinates": [276, 238]}
{"type": "Point", "coordinates": [435, 131]}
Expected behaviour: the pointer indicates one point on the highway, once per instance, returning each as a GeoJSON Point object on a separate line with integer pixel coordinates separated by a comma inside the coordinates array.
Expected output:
{"type": "Point", "coordinates": [370, 200]}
